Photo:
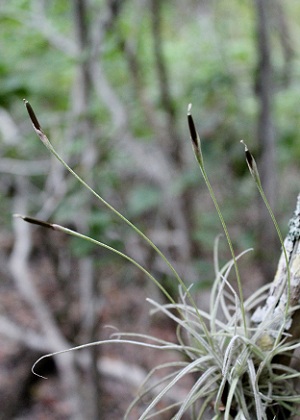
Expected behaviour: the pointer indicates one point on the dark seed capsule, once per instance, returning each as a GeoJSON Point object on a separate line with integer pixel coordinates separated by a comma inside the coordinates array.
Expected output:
{"type": "Point", "coordinates": [249, 158]}
{"type": "Point", "coordinates": [192, 129]}
{"type": "Point", "coordinates": [37, 222]}
{"type": "Point", "coordinates": [32, 115]}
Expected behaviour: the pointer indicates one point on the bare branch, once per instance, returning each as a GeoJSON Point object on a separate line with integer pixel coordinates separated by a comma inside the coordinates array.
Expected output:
{"type": "Point", "coordinates": [274, 308]}
{"type": "Point", "coordinates": [22, 275]}
{"type": "Point", "coordinates": [29, 338]}
{"type": "Point", "coordinates": [24, 168]}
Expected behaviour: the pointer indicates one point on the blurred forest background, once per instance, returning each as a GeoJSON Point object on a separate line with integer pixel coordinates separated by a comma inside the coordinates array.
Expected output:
{"type": "Point", "coordinates": [110, 81]}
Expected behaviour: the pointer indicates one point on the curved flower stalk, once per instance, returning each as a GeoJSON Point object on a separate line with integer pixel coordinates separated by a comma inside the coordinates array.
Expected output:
{"type": "Point", "coordinates": [198, 154]}
{"type": "Point", "coordinates": [232, 358]}
{"type": "Point", "coordinates": [42, 136]}
{"type": "Point", "coordinates": [286, 284]}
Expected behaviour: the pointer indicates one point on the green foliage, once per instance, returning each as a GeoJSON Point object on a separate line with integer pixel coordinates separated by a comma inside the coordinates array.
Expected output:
{"type": "Point", "coordinates": [210, 56]}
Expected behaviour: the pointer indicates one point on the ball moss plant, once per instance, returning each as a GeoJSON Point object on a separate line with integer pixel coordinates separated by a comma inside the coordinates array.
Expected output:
{"type": "Point", "coordinates": [233, 357]}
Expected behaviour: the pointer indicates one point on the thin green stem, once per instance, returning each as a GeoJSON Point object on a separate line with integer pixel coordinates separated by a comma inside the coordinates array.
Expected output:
{"type": "Point", "coordinates": [224, 226]}
{"type": "Point", "coordinates": [117, 213]}
{"type": "Point", "coordinates": [115, 251]}
{"type": "Point", "coordinates": [139, 232]}
{"type": "Point", "coordinates": [196, 142]}
{"type": "Point", "coordinates": [255, 174]}
{"type": "Point", "coordinates": [49, 146]}
{"type": "Point", "coordinates": [263, 196]}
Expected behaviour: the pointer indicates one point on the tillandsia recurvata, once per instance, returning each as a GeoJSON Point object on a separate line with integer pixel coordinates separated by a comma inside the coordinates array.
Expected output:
{"type": "Point", "coordinates": [285, 289]}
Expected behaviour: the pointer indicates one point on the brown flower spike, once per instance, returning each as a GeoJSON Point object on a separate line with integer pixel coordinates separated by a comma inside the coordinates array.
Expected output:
{"type": "Point", "coordinates": [252, 165]}
{"type": "Point", "coordinates": [32, 115]}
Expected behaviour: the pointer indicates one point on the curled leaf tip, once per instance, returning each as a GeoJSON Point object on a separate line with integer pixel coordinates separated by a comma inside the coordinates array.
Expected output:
{"type": "Point", "coordinates": [33, 117]}
{"type": "Point", "coordinates": [36, 374]}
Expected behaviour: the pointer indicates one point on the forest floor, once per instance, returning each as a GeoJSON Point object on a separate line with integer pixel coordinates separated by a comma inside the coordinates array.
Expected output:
{"type": "Point", "coordinates": [122, 308]}
{"type": "Point", "coordinates": [122, 367]}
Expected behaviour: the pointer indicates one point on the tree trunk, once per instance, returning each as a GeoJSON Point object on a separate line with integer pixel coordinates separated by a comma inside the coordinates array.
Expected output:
{"type": "Point", "coordinates": [84, 128]}
{"type": "Point", "coordinates": [282, 295]}
{"type": "Point", "coordinates": [265, 136]}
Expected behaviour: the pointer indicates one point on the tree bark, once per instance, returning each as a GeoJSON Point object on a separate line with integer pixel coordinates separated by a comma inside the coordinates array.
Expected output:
{"type": "Point", "coordinates": [280, 294]}
{"type": "Point", "coordinates": [284, 293]}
